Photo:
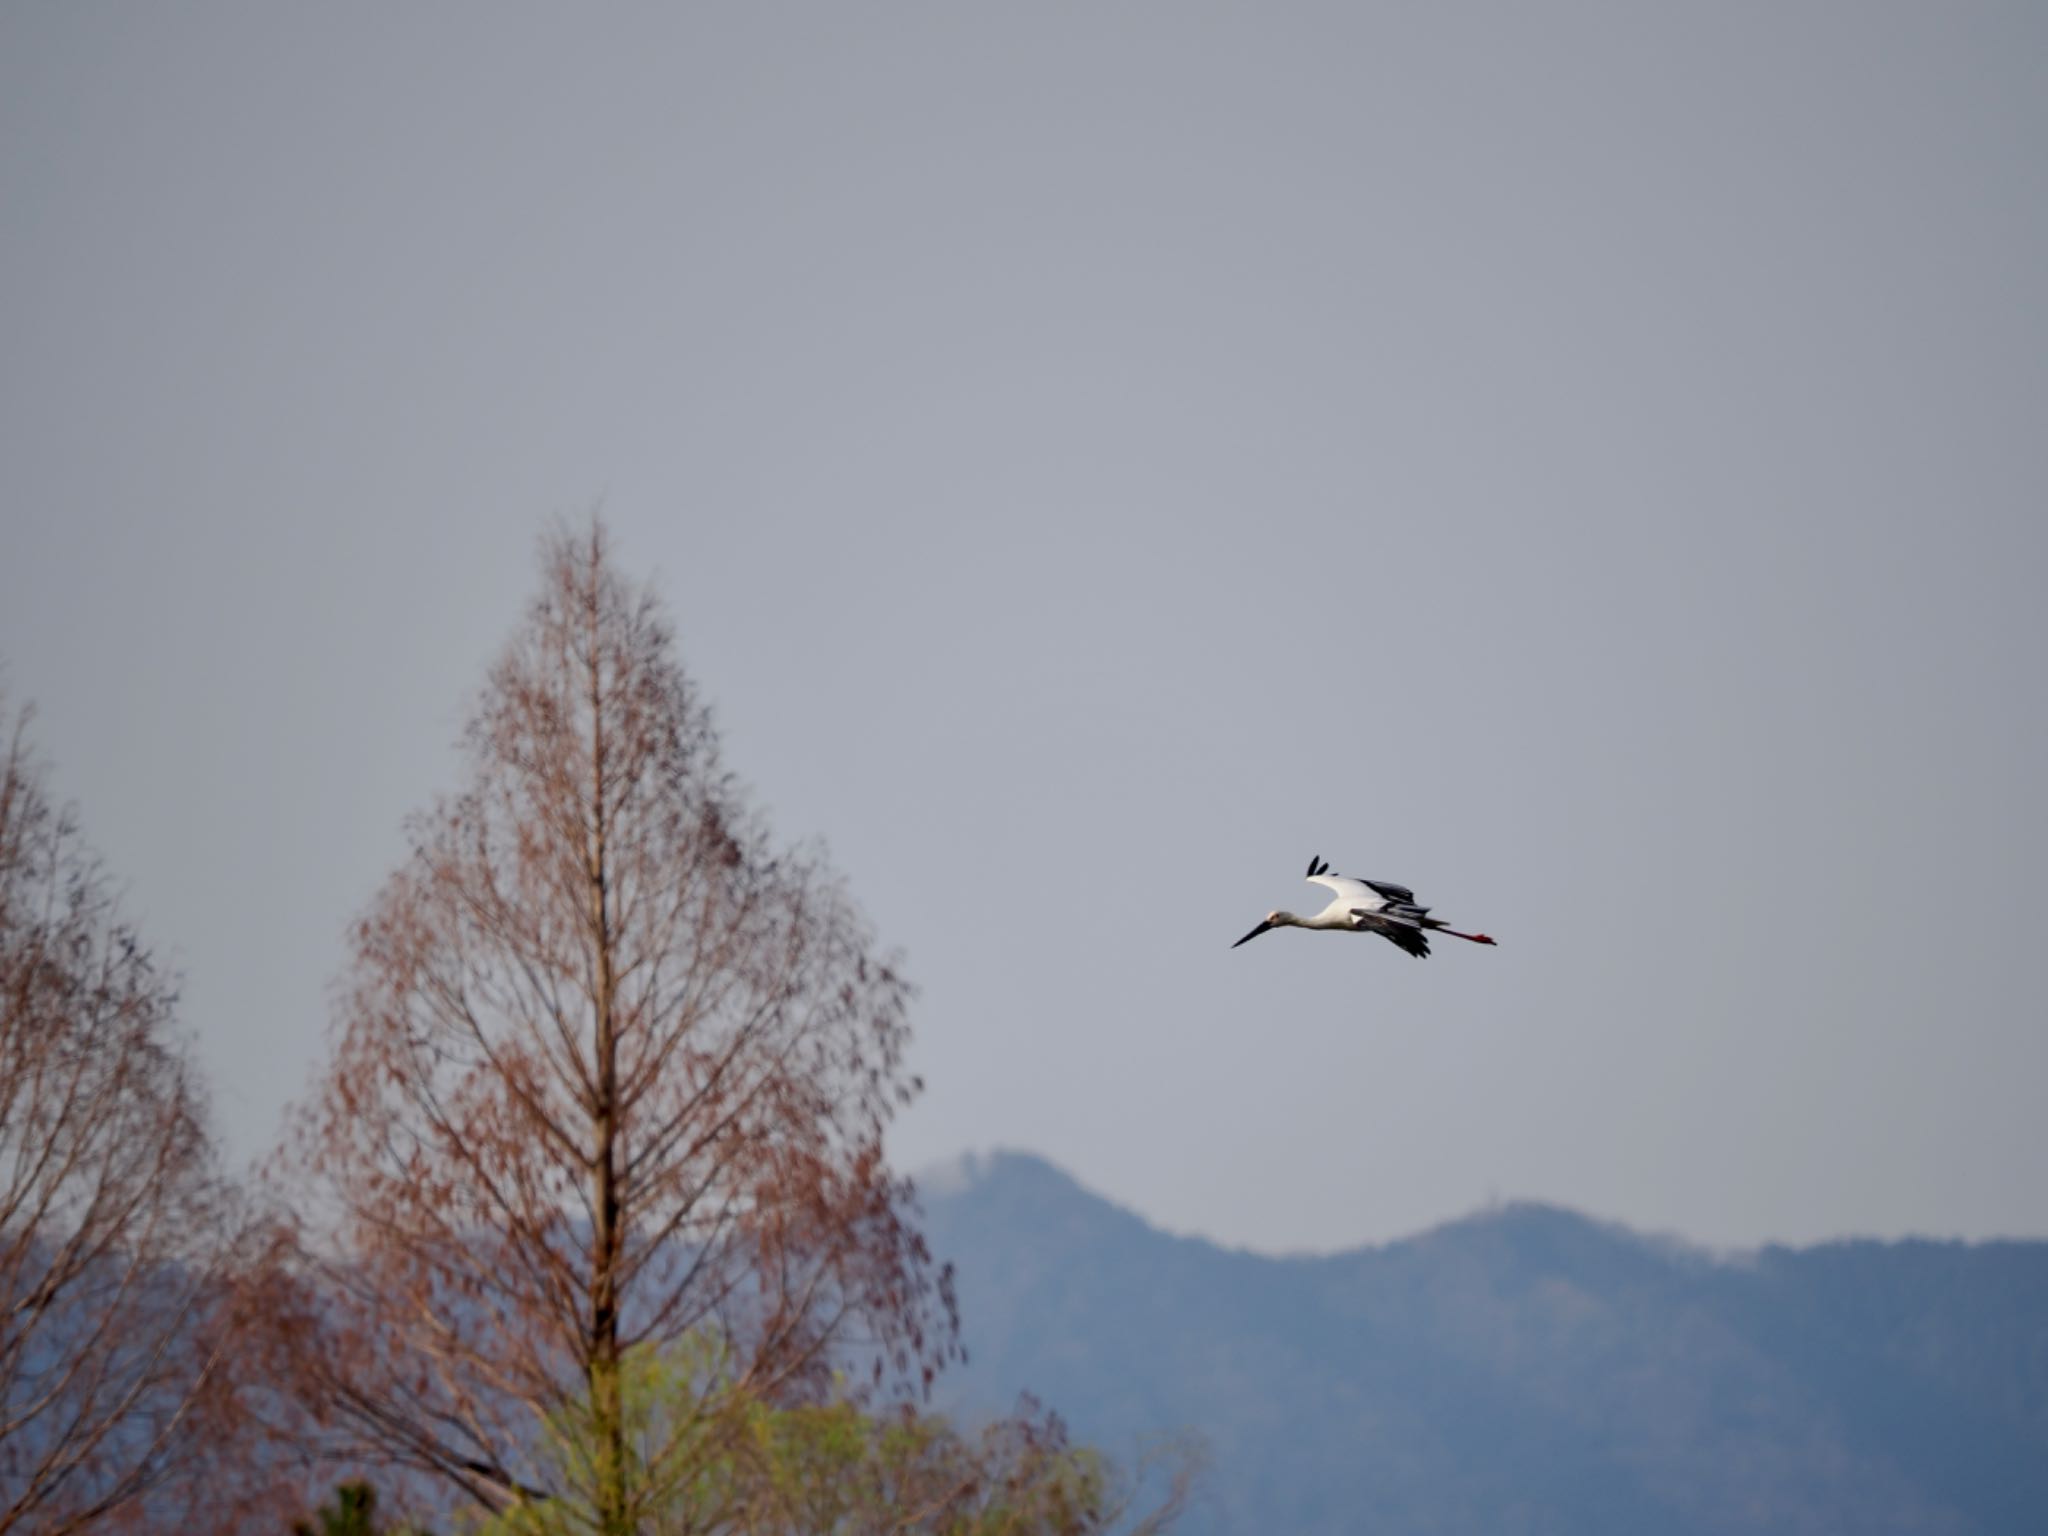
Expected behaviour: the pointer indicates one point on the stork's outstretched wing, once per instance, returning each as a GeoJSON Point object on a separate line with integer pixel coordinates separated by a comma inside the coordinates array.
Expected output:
{"type": "Point", "coordinates": [1396, 931]}
{"type": "Point", "coordinates": [1368, 893]}
{"type": "Point", "coordinates": [1347, 890]}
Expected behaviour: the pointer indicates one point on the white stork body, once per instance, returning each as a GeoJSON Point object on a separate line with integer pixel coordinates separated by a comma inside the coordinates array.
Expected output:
{"type": "Point", "coordinates": [1367, 906]}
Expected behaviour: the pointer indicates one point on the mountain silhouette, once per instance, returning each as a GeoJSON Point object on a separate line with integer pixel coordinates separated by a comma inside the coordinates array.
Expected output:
{"type": "Point", "coordinates": [1524, 1370]}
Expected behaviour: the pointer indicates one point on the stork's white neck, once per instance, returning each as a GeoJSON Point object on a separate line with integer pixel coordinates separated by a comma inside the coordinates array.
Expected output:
{"type": "Point", "coordinates": [1330, 917]}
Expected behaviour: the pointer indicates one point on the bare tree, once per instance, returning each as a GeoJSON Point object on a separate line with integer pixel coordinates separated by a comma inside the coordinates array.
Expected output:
{"type": "Point", "coordinates": [114, 1309]}
{"type": "Point", "coordinates": [611, 1071]}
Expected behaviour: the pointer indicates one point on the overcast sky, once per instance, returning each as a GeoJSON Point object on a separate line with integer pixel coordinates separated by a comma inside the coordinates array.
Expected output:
{"type": "Point", "coordinates": [1589, 463]}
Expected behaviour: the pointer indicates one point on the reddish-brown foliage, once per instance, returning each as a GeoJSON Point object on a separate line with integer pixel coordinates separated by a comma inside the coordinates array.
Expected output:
{"type": "Point", "coordinates": [117, 1302]}
{"type": "Point", "coordinates": [610, 1069]}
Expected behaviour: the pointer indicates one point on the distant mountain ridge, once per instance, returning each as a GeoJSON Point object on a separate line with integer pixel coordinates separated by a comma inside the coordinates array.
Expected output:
{"type": "Point", "coordinates": [1523, 1370]}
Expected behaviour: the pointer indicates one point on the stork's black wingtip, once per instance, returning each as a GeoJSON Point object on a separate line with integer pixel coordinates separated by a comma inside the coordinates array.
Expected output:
{"type": "Point", "coordinates": [1312, 863]}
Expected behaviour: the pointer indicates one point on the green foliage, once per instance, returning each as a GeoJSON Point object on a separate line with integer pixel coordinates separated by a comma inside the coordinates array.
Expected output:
{"type": "Point", "coordinates": [830, 1468]}
{"type": "Point", "coordinates": [705, 1455]}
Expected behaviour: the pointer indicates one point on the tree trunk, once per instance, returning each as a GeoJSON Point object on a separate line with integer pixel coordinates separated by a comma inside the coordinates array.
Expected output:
{"type": "Point", "coordinates": [606, 1399]}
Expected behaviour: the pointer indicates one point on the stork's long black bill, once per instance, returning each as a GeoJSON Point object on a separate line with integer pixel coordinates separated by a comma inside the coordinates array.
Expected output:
{"type": "Point", "coordinates": [1253, 934]}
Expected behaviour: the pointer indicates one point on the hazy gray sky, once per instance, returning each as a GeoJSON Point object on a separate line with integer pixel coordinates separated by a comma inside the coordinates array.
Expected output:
{"type": "Point", "coordinates": [1587, 462]}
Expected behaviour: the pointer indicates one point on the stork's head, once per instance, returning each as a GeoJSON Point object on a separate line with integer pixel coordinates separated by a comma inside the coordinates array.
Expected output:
{"type": "Point", "coordinates": [1273, 920]}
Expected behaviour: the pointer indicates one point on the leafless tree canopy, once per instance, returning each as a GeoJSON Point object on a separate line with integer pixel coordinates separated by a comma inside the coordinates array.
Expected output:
{"type": "Point", "coordinates": [611, 1069]}
{"type": "Point", "coordinates": [111, 1218]}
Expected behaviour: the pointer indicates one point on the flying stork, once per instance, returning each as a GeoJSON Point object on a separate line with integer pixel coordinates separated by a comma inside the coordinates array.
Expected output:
{"type": "Point", "coordinates": [1367, 906]}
